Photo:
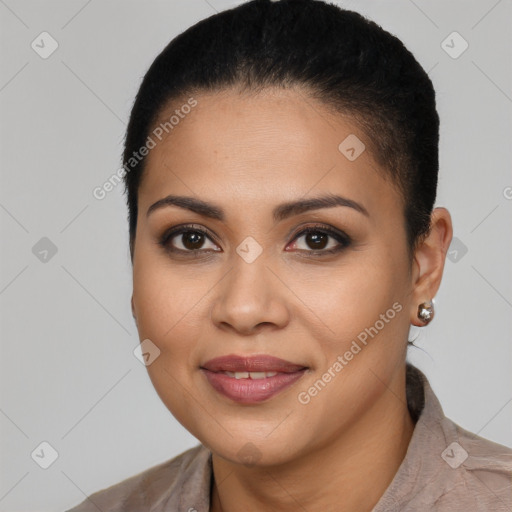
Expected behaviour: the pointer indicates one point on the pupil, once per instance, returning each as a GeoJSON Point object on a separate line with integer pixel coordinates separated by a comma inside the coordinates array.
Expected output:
{"type": "Point", "coordinates": [317, 240]}
{"type": "Point", "coordinates": [192, 240]}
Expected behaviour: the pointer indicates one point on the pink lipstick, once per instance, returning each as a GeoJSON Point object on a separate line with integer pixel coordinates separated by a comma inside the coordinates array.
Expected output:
{"type": "Point", "coordinates": [251, 379]}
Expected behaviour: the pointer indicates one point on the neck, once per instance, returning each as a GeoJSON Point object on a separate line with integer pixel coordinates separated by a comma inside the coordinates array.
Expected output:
{"type": "Point", "coordinates": [353, 470]}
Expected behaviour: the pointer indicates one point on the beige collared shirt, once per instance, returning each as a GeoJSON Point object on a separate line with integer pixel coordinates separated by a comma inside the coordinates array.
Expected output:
{"type": "Point", "coordinates": [446, 468]}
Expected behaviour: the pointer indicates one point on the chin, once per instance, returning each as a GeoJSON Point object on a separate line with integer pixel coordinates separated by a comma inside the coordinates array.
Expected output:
{"type": "Point", "coordinates": [255, 451]}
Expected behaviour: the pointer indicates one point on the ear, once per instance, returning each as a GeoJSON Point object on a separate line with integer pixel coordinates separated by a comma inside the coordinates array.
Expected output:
{"type": "Point", "coordinates": [429, 259]}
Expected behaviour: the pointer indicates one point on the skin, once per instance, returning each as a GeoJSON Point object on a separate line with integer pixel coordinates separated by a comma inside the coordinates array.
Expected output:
{"type": "Point", "coordinates": [247, 154]}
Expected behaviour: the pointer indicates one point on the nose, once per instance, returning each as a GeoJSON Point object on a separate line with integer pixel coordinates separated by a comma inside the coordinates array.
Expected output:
{"type": "Point", "coordinates": [250, 298]}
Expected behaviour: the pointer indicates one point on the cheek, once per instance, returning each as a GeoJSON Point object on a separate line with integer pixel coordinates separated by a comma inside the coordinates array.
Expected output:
{"type": "Point", "coordinates": [363, 306]}
{"type": "Point", "coordinates": [167, 313]}
{"type": "Point", "coordinates": [167, 305]}
{"type": "Point", "coordinates": [166, 298]}
{"type": "Point", "coordinates": [350, 298]}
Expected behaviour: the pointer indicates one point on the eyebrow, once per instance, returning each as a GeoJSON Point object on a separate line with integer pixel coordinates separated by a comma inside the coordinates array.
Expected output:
{"type": "Point", "coordinates": [280, 212]}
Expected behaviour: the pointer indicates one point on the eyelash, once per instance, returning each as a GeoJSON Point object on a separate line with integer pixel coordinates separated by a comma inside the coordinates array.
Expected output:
{"type": "Point", "coordinates": [343, 239]}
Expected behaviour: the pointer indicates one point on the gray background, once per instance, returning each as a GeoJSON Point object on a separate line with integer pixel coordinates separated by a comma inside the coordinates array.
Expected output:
{"type": "Point", "coordinates": [68, 373]}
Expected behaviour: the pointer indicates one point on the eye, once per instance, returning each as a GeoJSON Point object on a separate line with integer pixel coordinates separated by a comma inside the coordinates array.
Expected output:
{"type": "Point", "coordinates": [316, 240]}
{"type": "Point", "coordinates": [192, 240]}
{"type": "Point", "coordinates": [187, 239]}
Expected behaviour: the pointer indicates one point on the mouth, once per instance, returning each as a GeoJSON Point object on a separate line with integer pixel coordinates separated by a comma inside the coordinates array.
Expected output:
{"type": "Point", "coordinates": [251, 379]}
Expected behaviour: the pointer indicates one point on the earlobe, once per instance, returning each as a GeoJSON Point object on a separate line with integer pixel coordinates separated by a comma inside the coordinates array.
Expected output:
{"type": "Point", "coordinates": [429, 260]}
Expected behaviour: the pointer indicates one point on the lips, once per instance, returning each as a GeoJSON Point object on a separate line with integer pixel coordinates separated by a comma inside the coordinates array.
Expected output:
{"type": "Point", "coordinates": [251, 379]}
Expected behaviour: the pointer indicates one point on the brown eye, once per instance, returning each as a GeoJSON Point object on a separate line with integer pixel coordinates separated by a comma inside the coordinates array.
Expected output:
{"type": "Point", "coordinates": [187, 239]}
{"type": "Point", "coordinates": [321, 240]}
{"type": "Point", "coordinates": [317, 240]}
{"type": "Point", "coordinates": [192, 240]}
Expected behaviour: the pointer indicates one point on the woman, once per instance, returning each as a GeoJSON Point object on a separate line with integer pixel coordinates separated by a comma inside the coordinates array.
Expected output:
{"type": "Point", "coordinates": [281, 168]}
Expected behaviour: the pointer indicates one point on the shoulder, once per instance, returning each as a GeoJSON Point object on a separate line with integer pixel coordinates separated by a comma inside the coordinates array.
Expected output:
{"type": "Point", "coordinates": [447, 467]}
{"type": "Point", "coordinates": [159, 484]}
{"type": "Point", "coordinates": [477, 473]}
{"type": "Point", "coordinates": [486, 462]}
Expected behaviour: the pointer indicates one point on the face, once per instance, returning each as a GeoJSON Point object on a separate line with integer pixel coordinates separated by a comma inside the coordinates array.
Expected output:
{"type": "Point", "coordinates": [327, 290]}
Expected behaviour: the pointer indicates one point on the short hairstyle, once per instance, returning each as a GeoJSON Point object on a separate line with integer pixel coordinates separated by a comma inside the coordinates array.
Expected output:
{"type": "Point", "coordinates": [344, 60]}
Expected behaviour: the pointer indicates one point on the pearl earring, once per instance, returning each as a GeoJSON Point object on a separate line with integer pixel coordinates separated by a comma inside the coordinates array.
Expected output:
{"type": "Point", "coordinates": [426, 312]}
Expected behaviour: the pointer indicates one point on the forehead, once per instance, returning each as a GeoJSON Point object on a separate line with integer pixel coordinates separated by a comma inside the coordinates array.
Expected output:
{"type": "Point", "coordinates": [272, 145]}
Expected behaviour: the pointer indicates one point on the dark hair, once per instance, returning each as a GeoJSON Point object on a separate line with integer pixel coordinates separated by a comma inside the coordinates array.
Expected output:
{"type": "Point", "coordinates": [344, 60]}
